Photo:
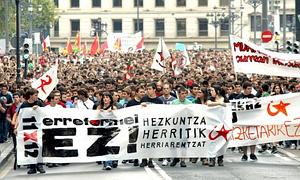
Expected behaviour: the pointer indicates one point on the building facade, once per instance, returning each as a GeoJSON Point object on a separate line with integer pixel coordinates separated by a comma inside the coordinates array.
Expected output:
{"type": "Point", "coordinates": [205, 22]}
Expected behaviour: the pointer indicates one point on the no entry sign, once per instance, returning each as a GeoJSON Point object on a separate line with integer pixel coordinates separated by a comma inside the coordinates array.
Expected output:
{"type": "Point", "coordinates": [266, 36]}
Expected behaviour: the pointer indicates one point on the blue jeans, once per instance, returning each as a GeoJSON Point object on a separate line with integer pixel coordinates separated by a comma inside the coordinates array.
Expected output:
{"type": "Point", "coordinates": [107, 163]}
{"type": "Point", "coordinates": [3, 130]}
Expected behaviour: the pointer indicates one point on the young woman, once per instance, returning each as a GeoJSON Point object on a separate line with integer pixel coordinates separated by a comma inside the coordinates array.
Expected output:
{"type": "Point", "coordinates": [201, 98]}
{"type": "Point", "coordinates": [216, 99]}
{"type": "Point", "coordinates": [107, 104]}
{"type": "Point", "coordinates": [277, 90]}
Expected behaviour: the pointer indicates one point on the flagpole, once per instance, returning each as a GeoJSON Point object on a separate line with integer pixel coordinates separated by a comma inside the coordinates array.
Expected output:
{"type": "Point", "coordinates": [161, 48]}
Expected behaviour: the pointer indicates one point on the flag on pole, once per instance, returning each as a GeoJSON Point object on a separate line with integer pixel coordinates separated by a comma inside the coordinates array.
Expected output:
{"type": "Point", "coordinates": [69, 47]}
{"type": "Point", "coordinates": [77, 44]}
{"type": "Point", "coordinates": [46, 83]}
{"type": "Point", "coordinates": [84, 49]}
{"type": "Point", "coordinates": [162, 53]}
{"type": "Point", "coordinates": [180, 60]}
{"type": "Point", "coordinates": [104, 46]}
{"type": "Point", "coordinates": [46, 43]}
{"type": "Point", "coordinates": [95, 45]}
{"type": "Point", "coordinates": [140, 45]}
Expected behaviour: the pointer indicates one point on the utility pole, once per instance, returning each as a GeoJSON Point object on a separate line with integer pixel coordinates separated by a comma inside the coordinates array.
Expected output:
{"type": "Point", "coordinates": [284, 25]}
{"type": "Point", "coordinates": [229, 23]}
{"type": "Point", "coordinates": [18, 41]}
{"type": "Point", "coordinates": [138, 15]}
{"type": "Point", "coordinates": [265, 15]}
{"type": "Point", "coordinates": [6, 27]}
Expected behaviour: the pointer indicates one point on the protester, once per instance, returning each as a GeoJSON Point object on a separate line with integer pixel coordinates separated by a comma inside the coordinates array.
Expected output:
{"type": "Point", "coordinates": [216, 99]}
{"type": "Point", "coordinates": [31, 97]}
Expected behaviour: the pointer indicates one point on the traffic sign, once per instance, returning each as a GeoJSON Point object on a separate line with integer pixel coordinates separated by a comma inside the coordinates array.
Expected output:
{"type": "Point", "coordinates": [266, 36]}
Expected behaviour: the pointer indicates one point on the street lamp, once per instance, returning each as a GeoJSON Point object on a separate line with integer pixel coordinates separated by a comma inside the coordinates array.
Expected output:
{"type": "Point", "coordinates": [216, 20]}
{"type": "Point", "coordinates": [101, 27]}
{"type": "Point", "coordinates": [254, 4]}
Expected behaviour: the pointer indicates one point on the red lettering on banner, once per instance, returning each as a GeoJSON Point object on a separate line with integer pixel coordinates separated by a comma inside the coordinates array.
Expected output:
{"type": "Point", "coordinates": [253, 58]}
{"type": "Point", "coordinates": [279, 129]}
{"type": "Point", "coordinates": [297, 130]}
{"type": "Point", "coordinates": [239, 134]}
{"type": "Point", "coordinates": [252, 133]}
{"type": "Point", "coordinates": [263, 130]}
{"type": "Point", "coordinates": [293, 64]}
{"type": "Point", "coordinates": [287, 128]}
{"type": "Point", "coordinates": [271, 129]}
{"type": "Point", "coordinates": [242, 47]}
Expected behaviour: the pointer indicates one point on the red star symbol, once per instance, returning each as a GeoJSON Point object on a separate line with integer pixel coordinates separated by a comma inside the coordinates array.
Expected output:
{"type": "Point", "coordinates": [222, 132]}
{"type": "Point", "coordinates": [281, 107]}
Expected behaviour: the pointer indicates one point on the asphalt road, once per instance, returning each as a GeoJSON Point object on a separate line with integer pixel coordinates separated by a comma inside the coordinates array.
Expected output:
{"type": "Point", "coordinates": [268, 166]}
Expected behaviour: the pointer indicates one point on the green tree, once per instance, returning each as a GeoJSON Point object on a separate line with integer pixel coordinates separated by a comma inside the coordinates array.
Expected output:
{"type": "Point", "coordinates": [43, 15]}
{"type": "Point", "coordinates": [11, 18]}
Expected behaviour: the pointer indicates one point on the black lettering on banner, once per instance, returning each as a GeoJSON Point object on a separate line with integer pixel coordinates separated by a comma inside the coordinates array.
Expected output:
{"type": "Point", "coordinates": [50, 143]}
{"type": "Point", "coordinates": [31, 120]}
{"type": "Point", "coordinates": [29, 147]}
{"type": "Point", "coordinates": [99, 148]}
{"type": "Point", "coordinates": [133, 135]}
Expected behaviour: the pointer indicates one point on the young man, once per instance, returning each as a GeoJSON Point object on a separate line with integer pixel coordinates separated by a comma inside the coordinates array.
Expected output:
{"type": "Point", "coordinates": [83, 101]}
{"type": "Point", "coordinates": [140, 93]}
{"type": "Point", "coordinates": [150, 98]}
{"type": "Point", "coordinates": [246, 94]}
{"type": "Point", "coordinates": [182, 99]}
{"type": "Point", "coordinates": [31, 97]}
{"type": "Point", "coordinates": [166, 97]}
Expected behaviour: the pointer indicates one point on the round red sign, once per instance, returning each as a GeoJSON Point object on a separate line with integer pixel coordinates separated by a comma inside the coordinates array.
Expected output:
{"type": "Point", "coordinates": [266, 36]}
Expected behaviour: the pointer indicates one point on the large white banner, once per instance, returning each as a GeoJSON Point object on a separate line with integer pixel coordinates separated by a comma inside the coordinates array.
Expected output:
{"type": "Point", "coordinates": [268, 119]}
{"type": "Point", "coordinates": [73, 135]}
{"type": "Point", "coordinates": [250, 58]}
{"type": "Point", "coordinates": [125, 42]}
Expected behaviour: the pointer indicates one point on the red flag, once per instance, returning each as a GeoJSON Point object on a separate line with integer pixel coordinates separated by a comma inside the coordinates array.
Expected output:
{"type": "Point", "coordinates": [78, 41]}
{"type": "Point", "coordinates": [84, 49]}
{"type": "Point", "coordinates": [140, 45]}
{"type": "Point", "coordinates": [44, 45]}
{"type": "Point", "coordinates": [95, 45]}
{"type": "Point", "coordinates": [69, 47]}
{"type": "Point", "coordinates": [104, 46]}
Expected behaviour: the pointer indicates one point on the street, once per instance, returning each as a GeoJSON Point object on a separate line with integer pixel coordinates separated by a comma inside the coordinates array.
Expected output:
{"type": "Point", "coordinates": [268, 166]}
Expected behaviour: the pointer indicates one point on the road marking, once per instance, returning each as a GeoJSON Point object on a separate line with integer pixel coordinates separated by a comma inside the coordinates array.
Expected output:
{"type": "Point", "coordinates": [6, 169]}
{"type": "Point", "coordinates": [151, 173]}
{"type": "Point", "coordinates": [162, 172]}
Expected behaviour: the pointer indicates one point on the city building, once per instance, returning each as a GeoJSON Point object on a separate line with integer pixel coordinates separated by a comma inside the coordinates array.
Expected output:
{"type": "Point", "coordinates": [205, 22]}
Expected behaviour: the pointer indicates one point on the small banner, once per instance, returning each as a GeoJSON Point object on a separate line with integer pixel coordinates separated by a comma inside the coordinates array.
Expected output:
{"type": "Point", "coordinates": [69, 135]}
{"type": "Point", "coordinates": [250, 58]}
{"type": "Point", "coordinates": [267, 119]}
{"type": "Point", "coordinates": [123, 42]}
{"type": "Point", "coordinates": [46, 83]}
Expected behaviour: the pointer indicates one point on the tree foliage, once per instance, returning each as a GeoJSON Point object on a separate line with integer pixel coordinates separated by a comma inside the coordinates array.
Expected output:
{"type": "Point", "coordinates": [43, 15]}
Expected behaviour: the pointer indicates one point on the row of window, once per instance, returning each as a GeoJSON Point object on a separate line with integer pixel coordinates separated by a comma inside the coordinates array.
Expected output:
{"type": "Point", "coordinates": [159, 25]}
{"type": "Point", "coordinates": [180, 25]}
{"type": "Point", "coordinates": [158, 3]}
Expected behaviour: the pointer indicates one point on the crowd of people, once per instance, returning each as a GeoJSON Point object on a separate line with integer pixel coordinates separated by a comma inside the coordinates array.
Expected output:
{"type": "Point", "coordinates": [116, 80]}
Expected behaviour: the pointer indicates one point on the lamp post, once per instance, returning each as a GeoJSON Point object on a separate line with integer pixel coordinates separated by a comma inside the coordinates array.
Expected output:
{"type": "Point", "coordinates": [101, 28]}
{"type": "Point", "coordinates": [216, 20]}
{"type": "Point", "coordinates": [254, 4]}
